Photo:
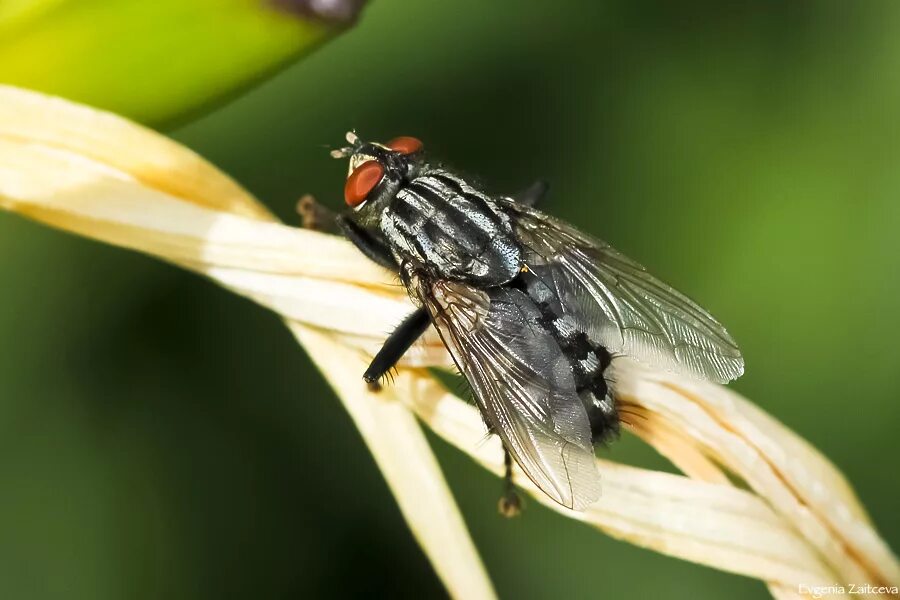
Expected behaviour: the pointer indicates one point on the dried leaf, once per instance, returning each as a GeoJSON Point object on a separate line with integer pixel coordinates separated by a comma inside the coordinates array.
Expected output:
{"type": "Point", "coordinates": [98, 175]}
{"type": "Point", "coordinates": [798, 523]}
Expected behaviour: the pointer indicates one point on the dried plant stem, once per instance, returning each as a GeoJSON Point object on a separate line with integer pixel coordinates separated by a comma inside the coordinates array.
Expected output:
{"type": "Point", "coordinates": [797, 523]}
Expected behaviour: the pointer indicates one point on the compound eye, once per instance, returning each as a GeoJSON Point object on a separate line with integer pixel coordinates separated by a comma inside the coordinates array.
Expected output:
{"type": "Point", "coordinates": [362, 181]}
{"type": "Point", "coordinates": [405, 144]}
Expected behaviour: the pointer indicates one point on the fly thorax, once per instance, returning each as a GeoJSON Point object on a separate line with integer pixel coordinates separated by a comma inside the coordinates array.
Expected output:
{"type": "Point", "coordinates": [449, 228]}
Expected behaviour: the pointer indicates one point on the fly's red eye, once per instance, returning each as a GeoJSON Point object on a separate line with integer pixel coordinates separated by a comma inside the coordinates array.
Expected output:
{"type": "Point", "coordinates": [405, 144]}
{"type": "Point", "coordinates": [362, 181]}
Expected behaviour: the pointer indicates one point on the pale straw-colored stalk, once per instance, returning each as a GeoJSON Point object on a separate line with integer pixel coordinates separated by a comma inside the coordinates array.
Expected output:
{"type": "Point", "coordinates": [756, 499]}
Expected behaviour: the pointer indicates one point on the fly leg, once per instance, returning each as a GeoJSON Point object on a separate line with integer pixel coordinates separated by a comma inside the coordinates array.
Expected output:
{"type": "Point", "coordinates": [320, 218]}
{"type": "Point", "coordinates": [533, 194]}
{"type": "Point", "coordinates": [412, 327]}
{"type": "Point", "coordinates": [315, 216]}
{"type": "Point", "coordinates": [404, 336]}
{"type": "Point", "coordinates": [510, 504]}
{"type": "Point", "coordinates": [368, 244]}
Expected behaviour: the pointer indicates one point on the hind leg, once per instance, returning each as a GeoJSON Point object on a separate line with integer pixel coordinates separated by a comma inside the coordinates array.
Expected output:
{"type": "Point", "coordinates": [510, 504]}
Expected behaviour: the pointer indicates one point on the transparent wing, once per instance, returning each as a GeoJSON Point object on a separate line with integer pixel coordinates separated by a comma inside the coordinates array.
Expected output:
{"type": "Point", "coordinates": [522, 383]}
{"type": "Point", "coordinates": [622, 306]}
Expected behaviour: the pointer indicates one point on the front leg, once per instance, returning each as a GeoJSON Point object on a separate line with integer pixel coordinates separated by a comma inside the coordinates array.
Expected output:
{"type": "Point", "coordinates": [319, 218]}
{"type": "Point", "coordinates": [316, 216]}
{"type": "Point", "coordinates": [412, 327]}
{"type": "Point", "coordinates": [368, 244]}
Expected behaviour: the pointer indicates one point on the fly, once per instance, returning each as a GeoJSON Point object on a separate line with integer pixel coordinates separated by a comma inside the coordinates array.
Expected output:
{"type": "Point", "coordinates": [532, 310]}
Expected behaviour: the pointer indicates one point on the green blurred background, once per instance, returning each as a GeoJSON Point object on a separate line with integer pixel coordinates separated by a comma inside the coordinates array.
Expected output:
{"type": "Point", "coordinates": [161, 438]}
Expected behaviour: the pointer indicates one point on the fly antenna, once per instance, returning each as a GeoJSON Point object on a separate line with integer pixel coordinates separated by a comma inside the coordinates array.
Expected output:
{"type": "Point", "coordinates": [354, 142]}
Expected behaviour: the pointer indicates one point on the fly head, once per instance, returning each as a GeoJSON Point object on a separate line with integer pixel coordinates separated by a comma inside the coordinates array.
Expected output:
{"type": "Point", "coordinates": [376, 173]}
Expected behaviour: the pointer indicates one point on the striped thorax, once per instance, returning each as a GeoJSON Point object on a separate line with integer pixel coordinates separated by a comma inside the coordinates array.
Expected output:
{"type": "Point", "coordinates": [442, 224]}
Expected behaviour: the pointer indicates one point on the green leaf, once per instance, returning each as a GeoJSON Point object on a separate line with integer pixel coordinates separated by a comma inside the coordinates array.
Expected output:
{"type": "Point", "coordinates": [150, 60]}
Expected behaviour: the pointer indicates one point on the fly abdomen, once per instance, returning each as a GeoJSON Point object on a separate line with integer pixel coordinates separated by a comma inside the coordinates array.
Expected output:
{"type": "Point", "coordinates": [587, 359]}
{"type": "Point", "coordinates": [589, 362]}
